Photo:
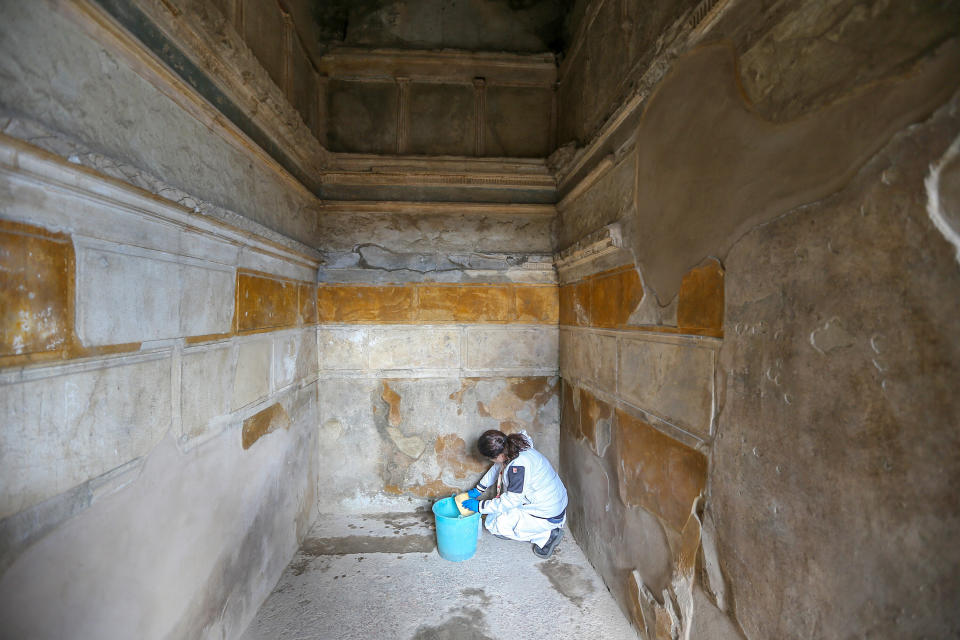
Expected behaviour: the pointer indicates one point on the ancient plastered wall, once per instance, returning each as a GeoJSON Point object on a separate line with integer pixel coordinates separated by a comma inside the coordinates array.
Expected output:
{"type": "Point", "coordinates": [158, 377]}
{"type": "Point", "coordinates": [613, 43]}
{"type": "Point", "coordinates": [448, 242]}
{"type": "Point", "coordinates": [139, 118]}
{"type": "Point", "coordinates": [638, 413]}
{"type": "Point", "coordinates": [813, 459]}
{"type": "Point", "coordinates": [411, 374]}
{"type": "Point", "coordinates": [158, 352]}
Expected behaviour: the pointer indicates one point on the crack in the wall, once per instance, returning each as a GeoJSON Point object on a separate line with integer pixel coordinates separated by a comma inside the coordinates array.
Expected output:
{"type": "Point", "coordinates": [376, 257]}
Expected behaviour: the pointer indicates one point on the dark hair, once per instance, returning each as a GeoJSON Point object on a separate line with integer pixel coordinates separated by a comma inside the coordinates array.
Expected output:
{"type": "Point", "coordinates": [492, 443]}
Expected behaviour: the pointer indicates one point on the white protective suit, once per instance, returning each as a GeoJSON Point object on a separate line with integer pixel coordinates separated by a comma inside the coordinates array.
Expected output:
{"type": "Point", "coordinates": [531, 502]}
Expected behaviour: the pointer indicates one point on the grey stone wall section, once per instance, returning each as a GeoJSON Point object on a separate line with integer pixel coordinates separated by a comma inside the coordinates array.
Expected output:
{"type": "Point", "coordinates": [221, 519]}
{"type": "Point", "coordinates": [841, 367]}
{"type": "Point", "coordinates": [52, 71]}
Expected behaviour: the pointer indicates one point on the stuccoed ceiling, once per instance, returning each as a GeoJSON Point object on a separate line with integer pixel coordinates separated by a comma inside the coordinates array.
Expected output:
{"type": "Point", "coordinates": [521, 26]}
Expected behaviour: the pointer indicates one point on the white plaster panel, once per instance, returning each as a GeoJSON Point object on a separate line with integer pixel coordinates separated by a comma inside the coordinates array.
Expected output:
{"type": "Point", "coordinates": [286, 349]}
{"type": "Point", "coordinates": [673, 381]}
{"type": "Point", "coordinates": [307, 365]}
{"type": "Point", "coordinates": [206, 300]}
{"type": "Point", "coordinates": [510, 347]}
{"type": "Point", "coordinates": [252, 380]}
{"type": "Point", "coordinates": [417, 347]}
{"type": "Point", "coordinates": [349, 445]}
{"type": "Point", "coordinates": [258, 261]}
{"type": "Point", "coordinates": [61, 430]}
{"type": "Point", "coordinates": [126, 294]}
{"type": "Point", "coordinates": [126, 298]}
{"type": "Point", "coordinates": [87, 214]}
{"type": "Point", "coordinates": [342, 349]}
{"type": "Point", "coordinates": [589, 356]}
{"type": "Point", "coordinates": [200, 245]}
{"type": "Point", "coordinates": [294, 357]}
{"type": "Point", "coordinates": [206, 381]}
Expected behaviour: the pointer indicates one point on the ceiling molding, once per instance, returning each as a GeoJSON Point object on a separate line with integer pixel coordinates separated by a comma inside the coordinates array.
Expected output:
{"type": "Point", "coordinates": [194, 57]}
{"type": "Point", "coordinates": [449, 67]}
{"type": "Point", "coordinates": [437, 208]}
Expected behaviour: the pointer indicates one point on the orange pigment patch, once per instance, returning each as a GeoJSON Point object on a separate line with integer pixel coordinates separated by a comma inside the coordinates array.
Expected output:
{"type": "Point", "coordinates": [568, 315]}
{"type": "Point", "coordinates": [211, 337]}
{"type": "Point", "coordinates": [452, 455]}
{"type": "Point", "coordinates": [534, 387]}
{"type": "Point", "coordinates": [482, 410]}
{"type": "Point", "coordinates": [517, 396]}
{"type": "Point", "coordinates": [656, 472]}
{"type": "Point", "coordinates": [700, 302]}
{"type": "Point", "coordinates": [392, 398]}
{"type": "Point", "coordinates": [430, 303]}
{"type": "Point", "coordinates": [604, 299]}
{"type": "Point", "coordinates": [36, 293]}
{"type": "Point", "coordinates": [592, 411]}
{"type": "Point", "coordinates": [437, 303]}
{"type": "Point", "coordinates": [265, 302]}
{"type": "Point", "coordinates": [488, 303]}
{"type": "Point", "coordinates": [307, 303]}
{"type": "Point", "coordinates": [509, 426]}
{"type": "Point", "coordinates": [267, 421]}
{"type": "Point", "coordinates": [537, 304]}
{"type": "Point", "coordinates": [634, 600]}
{"type": "Point", "coordinates": [375, 304]}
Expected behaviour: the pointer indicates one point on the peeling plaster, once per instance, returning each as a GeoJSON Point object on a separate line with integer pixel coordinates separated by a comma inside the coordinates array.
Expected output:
{"type": "Point", "coordinates": [943, 195]}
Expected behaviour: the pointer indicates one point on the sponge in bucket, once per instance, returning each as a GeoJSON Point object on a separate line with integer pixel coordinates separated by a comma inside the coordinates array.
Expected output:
{"type": "Point", "coordinates": [459, 500]}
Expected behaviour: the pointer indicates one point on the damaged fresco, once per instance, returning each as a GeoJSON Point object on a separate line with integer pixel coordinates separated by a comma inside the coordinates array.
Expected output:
{"type": "Point", "coordinates": [736, 420]}
{"type": "Point", "coordinates": [422, 442]}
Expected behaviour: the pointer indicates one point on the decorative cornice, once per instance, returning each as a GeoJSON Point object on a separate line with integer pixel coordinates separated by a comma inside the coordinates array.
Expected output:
{"type": "Point", "coordinates": [430, 179]}
{"type": "Point", "coordinates": [425, 171]}
{"type": "Point", "coordinates": [590, 14]}
{"type": "Point", "coordinates": [447, 67]}
{"type": "Point", "coordinates": [602, 242]}
{"type": "Point", "coordinates": [369, 162]}
{"type": "Point", "coordinates": [29, 163]}
{"type": "Point", "coordinates": [615, 133]}
{"type": "Point", "coordinates": [348, 207]}
{"type": "Point", "coordinates": [251, 111]}
{"type": "Point", "coordinates": [598, 170]}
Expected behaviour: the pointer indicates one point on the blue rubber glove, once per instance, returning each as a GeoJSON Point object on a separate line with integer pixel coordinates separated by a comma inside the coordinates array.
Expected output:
{"type": "Point", "coordinates": [473, 493]}
{"type": "Point", "coordinates": [472, 504]}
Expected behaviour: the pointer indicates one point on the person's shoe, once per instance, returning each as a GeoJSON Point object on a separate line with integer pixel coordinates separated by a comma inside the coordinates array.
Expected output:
{"type": "Point", "coordinates": [547, 550]}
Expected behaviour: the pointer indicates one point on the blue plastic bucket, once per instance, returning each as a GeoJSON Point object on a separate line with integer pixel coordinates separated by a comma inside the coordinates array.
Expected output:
{"type": "Point", "coordinates": [456, 535]}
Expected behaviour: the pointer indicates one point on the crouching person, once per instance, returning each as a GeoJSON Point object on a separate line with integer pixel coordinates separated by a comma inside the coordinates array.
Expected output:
{"type": "Point", "coordinates": [531, 501]}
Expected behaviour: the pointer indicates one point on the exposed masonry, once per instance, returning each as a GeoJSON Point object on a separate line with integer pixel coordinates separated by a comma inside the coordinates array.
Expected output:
{"type": "Point", "coordinates": [379, 258]}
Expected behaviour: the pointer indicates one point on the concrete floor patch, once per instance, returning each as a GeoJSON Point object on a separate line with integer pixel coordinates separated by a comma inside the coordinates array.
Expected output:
{"type": "Point", "coordinates": [504, 591]}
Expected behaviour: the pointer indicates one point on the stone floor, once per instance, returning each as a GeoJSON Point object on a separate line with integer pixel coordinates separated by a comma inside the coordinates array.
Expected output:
{"type": "Point", "coordinates": [379, 576]}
